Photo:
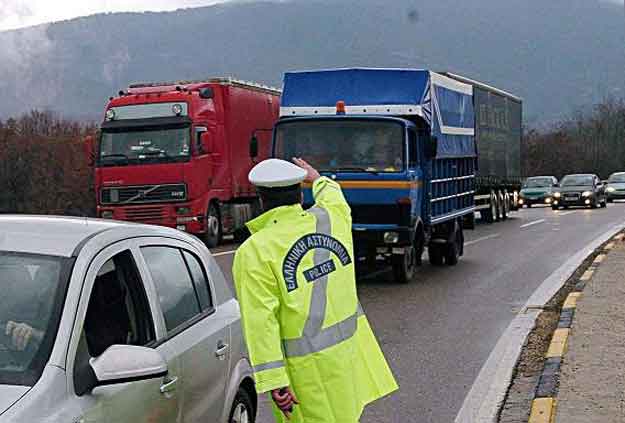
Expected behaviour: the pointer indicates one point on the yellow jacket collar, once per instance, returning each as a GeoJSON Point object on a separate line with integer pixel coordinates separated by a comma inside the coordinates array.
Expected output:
{"type": "Point", "coordinates": [274, 216]}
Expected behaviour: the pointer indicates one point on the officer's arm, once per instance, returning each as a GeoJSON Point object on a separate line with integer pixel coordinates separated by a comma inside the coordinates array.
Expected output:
{"type": "Point", "coordinates": [327, 192]}
{"type": "Point", "coordinates": [258, 296]}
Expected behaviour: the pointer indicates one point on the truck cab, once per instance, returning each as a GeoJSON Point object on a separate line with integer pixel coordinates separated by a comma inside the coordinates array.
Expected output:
{"type": "Point", "coordinates": [372, 131]}
{"type": "Point", "coordinates": [178, 154]}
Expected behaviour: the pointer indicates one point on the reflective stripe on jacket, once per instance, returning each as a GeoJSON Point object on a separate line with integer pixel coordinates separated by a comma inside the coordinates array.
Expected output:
{"type": "Point", "coordinates": [303, 325]}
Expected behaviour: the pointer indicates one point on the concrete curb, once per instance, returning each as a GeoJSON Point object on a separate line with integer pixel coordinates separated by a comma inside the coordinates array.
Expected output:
{"type": "Point", "coordinates": [545, 396]}
{"type": "Point", "coordinates": [488, 392]}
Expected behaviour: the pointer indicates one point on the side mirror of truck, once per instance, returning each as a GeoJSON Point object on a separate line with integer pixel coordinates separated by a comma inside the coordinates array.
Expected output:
{"type": "Point", "coordinates": [431, 148]}
{"type": "Point", "coordinates": [206, 143]}
{"type": "Point", "coordinates": [89, 146]}
{"type": "Point", "coordinates": [254, 147]}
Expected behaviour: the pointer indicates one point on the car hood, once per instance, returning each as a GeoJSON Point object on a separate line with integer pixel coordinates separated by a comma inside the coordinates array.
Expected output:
{"type": "Point", "coordinates": [617, 185]}
{"type": "Point", "coordinates": [576, 188]}
{"type": "Point", "coordinates": [10, 394]}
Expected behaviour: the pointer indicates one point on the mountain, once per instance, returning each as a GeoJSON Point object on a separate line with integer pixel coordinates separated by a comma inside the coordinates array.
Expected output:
{"type": "Point", "coordinates": [559, 55]}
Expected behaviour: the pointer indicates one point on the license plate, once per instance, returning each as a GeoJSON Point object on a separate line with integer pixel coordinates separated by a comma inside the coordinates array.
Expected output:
{"type": "Point", "coordinates": [571, 197]}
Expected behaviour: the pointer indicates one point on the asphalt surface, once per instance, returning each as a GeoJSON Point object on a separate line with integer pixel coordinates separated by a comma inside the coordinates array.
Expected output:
{"type": "Point", "coordinates": [438, 331]}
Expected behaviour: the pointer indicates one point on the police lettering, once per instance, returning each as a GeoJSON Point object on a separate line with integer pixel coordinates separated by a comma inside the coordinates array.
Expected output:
{"type": "Point", "coordinates": [301, 248]}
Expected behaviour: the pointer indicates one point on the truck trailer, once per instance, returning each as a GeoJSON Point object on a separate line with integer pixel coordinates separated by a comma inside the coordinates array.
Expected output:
{"type": "Point", "coordinates": [401, 143]}
{"type": "Point", "coordinates": [498, 133]}
{"type": "Point", "coordinates": [178, 154]}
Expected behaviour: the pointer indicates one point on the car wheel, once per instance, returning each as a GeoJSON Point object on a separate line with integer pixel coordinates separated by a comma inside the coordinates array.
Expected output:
{"type": "Point", "coordinates": [610, 200]}
{"type": "Point", "coordinates": [594, 204]}
{"type": "Point", "coordinates": [604, 203]}
{"type": "Point", "coordinates": [213, 233]}
{"type": "Point", "coordinates": [242, 408]}
{"type": "Point", "coordinates": [529, 205]}
{"type": "Point", "coordinates": [554, 207]}
{"type": "Point", "coordinates": [404, 265]}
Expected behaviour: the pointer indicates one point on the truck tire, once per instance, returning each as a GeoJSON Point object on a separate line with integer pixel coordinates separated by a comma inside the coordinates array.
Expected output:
{"type": "Point", "coordinates": [453, 249]}
{"type": "Point", "coordinates": [436, 252]}
{"type": "Point", "coordinates": [488, 215]}
{"type": "Point", "coordinates": [497, 207]}
{"type": "Point", "coordinates": [505, 208]}
{"type": "Point", "coordinates": [404, 265]}
{"type": "Point", "coordinates": [214, 230]}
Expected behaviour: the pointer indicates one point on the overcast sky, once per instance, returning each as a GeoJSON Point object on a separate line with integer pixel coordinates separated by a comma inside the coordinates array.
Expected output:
{"type": "Point", "coordinates": [20, 13]}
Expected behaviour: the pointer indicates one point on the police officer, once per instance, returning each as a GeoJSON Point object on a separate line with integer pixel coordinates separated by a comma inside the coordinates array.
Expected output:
{"type": "Point", "coordinates": [309, 341]}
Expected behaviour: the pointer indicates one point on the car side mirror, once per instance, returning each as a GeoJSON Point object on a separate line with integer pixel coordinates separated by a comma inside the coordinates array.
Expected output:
{"type": "Point", "coordinates": [431, 148]}
{"type": "Point", "coordinates": [254, 146]}
{"type": "Point", "coordinates": [123, 364]}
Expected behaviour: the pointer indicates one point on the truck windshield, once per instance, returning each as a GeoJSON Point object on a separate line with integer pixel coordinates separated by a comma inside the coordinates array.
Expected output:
{"type": "Point", "coordinates": [350, 146]}
{"type": "Point", "coordinates": [144, 145]}
{"type": "Point", "coordinates": [538, 183]}
{"type": "Point", "coordinates": [33, 290]}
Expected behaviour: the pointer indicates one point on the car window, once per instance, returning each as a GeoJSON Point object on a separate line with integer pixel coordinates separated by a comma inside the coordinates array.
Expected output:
{"type": "Point", "coordinates": [118, 310]}
{"type": "Point", "coordinates": [175, 288]}
{"type": "Point", "coordinates": [198, 274]}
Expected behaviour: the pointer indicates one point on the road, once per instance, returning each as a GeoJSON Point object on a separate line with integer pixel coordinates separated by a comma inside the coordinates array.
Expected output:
{"type": "Point", "coordinates": [438, 331]}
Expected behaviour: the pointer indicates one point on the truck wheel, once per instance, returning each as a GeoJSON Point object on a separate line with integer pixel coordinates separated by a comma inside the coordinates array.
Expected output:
{"type": "Point", "coordinates": [488, 215]}
{"type": "Point", "coordinates": [505, 209]}
{"type": "Point", "coordinates": [454, 248]}
{"type": "Point", "coordinates": [404, 265]}
{"type": "Point", "coordinates": [435, 252]}
{"type": "Point", "coordinates": [214, 230]}
{"type": "Point", "coordinates": [497, 208]}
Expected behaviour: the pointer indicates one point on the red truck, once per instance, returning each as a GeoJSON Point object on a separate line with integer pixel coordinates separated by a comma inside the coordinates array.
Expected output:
{"type": "Point", "coordinates": [178, 154]}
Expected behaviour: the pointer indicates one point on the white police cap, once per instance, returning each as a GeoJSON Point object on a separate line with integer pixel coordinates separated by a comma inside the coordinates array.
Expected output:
{"type": "Point", "coordinates": [276, 173]}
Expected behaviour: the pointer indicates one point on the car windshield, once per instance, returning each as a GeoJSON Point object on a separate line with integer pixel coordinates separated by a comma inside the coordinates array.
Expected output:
{"type": "Point", "coordinates": [618, 178]}
{"type": "Point", "coordinates": [144, 145]}
{"type": "Point", "coordinates": [29, 313]}
{"type": "Point", "coordinates": [357, 146]}
{"type": "Point", "coordinates": [538, 183]}
{"type": "Point", "coordinates": [573, 180]}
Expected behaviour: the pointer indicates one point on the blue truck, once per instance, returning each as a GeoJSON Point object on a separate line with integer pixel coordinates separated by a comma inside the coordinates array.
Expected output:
{"type": "Point", "coordinates": [401, 142]}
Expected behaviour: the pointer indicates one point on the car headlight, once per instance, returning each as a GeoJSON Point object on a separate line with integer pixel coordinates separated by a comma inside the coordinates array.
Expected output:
{"type": "Point", "coordinates": [586, 194]}
{"type": "Point", "coordinates": [610, 189]}
{"type": "Point", "coordinates": [557, 194]}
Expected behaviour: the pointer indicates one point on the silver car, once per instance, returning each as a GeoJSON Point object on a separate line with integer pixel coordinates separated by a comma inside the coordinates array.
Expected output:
{"type": "Point", "coordinates": [111, 322]}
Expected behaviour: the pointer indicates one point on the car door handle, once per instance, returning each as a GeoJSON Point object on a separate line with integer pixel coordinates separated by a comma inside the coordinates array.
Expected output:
{"type": "Point", "coordinates": [221, 351]}
{"type": "Point", "coordinates": [169, 385]}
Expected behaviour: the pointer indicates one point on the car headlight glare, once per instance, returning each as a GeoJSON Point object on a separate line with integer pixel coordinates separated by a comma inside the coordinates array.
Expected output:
{"type": "Point", "coordinates": [610, 189]}
{"type": "Point", "coordinates": [557, 194]}
{"type": "Point", "coordinates": [391, 237]}
{"type": "Point", "coordinates": [110, 114]}
{"type": "Point", "coordinates": [586, 194]}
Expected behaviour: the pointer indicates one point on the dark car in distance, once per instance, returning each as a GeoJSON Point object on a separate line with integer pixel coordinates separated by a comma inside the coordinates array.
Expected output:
{"type": "Point", "coordinates": [615, 188]}
{"type": "Point", "coordinates": [584, 190]}
{"type": "Point", "coordinates": [538, 190]}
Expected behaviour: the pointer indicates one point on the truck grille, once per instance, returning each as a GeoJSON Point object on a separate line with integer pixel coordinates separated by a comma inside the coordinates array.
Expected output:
{"type": "Point", "coordinates": [379, 214]}
{"type": "Point", "coordinates": [145, 214]}
{"type": "Point", "coordinates": [144, 194]}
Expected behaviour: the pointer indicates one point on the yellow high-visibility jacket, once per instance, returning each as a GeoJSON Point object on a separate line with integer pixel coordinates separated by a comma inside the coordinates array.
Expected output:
{"type": "Point", "coordinates": [302, 321]}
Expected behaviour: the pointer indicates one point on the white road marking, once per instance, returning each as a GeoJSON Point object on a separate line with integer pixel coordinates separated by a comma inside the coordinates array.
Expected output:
{"type": "Point", "coordinates": [224, 253]}
{"type": "Point", "coordinates": [566, 213]}
{"type": "Point", "coordinates": [535, 222]}
{"type": "Point", "coordinates": [484, 238]}
{"type": "Point", "coordinates": [481, 405]}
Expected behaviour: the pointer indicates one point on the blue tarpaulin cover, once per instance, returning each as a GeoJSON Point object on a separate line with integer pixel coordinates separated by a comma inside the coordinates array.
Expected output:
{"type": "Point", "coordinates": [446, 105]}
